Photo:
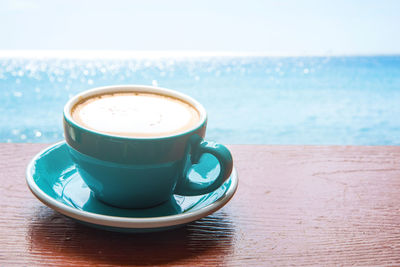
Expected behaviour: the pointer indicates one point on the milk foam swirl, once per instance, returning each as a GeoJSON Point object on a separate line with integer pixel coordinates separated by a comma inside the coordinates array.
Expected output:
{"type": "Point", "coordinates": [135, 114]}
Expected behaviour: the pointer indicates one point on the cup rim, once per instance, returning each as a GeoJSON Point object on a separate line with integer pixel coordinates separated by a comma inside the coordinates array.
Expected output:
{"type": "Point", "coordinates": [134, 88]}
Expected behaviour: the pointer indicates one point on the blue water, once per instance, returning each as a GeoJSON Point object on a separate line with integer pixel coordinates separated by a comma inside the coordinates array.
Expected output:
{"type": "Point", "coordinates": [255, 100]}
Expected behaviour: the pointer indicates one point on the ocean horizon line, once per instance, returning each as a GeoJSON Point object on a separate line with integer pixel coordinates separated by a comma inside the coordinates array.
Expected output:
{"type": "Point", "coordinates": [119, 54]}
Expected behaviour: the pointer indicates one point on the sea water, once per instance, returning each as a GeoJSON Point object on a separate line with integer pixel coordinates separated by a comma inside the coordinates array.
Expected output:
{"type": "Point", "coordinates": [249, 99]}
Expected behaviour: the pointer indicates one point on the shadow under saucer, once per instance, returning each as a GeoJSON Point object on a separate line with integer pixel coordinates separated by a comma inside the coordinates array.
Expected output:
{"type": "Point", "coordinates": [57, 236]}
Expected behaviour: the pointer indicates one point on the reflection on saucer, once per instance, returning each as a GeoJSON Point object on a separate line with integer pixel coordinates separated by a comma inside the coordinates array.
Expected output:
{"type": "Point", "coordinates": [76, 193]}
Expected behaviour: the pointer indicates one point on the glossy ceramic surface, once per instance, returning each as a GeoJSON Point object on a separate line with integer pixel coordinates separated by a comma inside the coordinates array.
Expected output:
{"type": "Point", "coordinates": [53, 179]}
{"type": "Point", "coordinates": [141, 172]}
{"type": "Point", "coordinates": [130, 150]}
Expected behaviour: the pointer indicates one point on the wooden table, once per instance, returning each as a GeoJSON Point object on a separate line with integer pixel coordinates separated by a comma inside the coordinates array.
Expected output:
{"type": "Point", "coordinates": [295, 205]}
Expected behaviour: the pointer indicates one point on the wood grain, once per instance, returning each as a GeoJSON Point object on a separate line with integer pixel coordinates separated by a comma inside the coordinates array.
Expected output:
{"type": "Point", "coordinates": [296, 205]}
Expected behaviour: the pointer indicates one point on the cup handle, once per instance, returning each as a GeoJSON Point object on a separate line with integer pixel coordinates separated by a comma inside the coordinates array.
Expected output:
{"type": "Point", "coordinates": [187, 187]}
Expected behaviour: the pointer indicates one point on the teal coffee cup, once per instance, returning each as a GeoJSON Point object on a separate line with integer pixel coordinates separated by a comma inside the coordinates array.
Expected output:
{"type": "Point", "coordinates": [129, 171]}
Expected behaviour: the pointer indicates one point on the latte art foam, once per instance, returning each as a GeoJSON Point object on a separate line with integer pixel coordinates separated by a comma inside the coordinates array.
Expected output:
{"type": "Point", "coordinates": [135, 114]}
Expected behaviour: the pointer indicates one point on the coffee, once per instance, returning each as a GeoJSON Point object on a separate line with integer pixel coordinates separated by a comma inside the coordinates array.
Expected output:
{"type": "Point", "coordinates": [135, 114]}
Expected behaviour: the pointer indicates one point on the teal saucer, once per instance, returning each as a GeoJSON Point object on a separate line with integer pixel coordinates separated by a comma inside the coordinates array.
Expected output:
{"type": "Point", "coordinates": [53, 179]}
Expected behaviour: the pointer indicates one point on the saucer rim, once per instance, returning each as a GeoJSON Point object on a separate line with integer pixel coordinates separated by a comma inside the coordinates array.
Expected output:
{"type": "Point", "coordinates": [125, 222]}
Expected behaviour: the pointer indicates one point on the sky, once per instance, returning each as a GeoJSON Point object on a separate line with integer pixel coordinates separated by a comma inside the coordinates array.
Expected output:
{"type": "Point", "coordinates": [284, 27]}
